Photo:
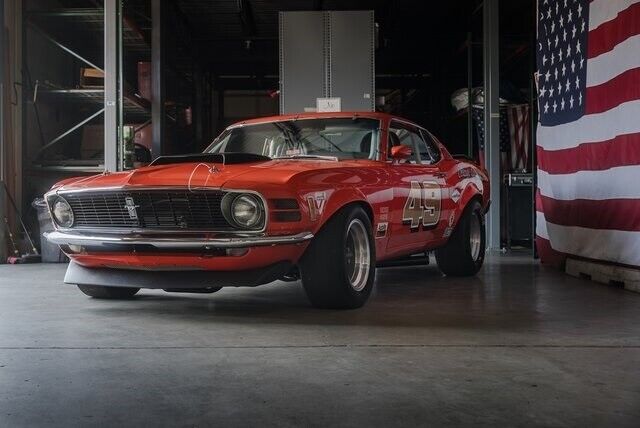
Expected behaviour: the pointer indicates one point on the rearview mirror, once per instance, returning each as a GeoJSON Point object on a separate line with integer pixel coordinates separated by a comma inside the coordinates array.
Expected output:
{"type": "Point", "coordinates": [401, 152]}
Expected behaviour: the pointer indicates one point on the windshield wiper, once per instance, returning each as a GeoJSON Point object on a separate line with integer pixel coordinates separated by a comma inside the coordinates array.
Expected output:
{"type": "Point", "coordinates": [288, 135]}
{"type": "Point", "coordinates": [328, 158]}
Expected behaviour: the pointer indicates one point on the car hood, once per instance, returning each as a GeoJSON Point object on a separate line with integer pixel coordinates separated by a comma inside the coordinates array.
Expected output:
{"type": "Point", "coordinates": [199, 174]}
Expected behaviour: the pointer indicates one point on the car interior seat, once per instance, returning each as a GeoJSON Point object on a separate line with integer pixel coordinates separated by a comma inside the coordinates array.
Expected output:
{"type": "Point", "coordinates": [365, 143]}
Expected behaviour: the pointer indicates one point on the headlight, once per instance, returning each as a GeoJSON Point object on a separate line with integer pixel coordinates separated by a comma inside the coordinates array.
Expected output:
{"type": "Point", "coordinates": [62, 212]}
{"type": "Point", "coordinates": [246, 211]}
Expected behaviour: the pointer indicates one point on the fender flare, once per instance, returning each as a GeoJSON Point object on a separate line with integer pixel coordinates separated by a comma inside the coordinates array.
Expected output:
{"type": "Point", "coordinates": [336, 202]}
{"type": "Point", "coordinates": [470, 192]}
{"type": "Point", "coordinates": [340, 199]}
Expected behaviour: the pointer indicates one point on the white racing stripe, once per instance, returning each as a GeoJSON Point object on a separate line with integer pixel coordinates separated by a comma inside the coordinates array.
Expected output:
{"type": "Point", "coordinates": [610, 64]}
{"type": "Point", "coordinates": [609, 245]}
{"type": "Point", "coordinates": [601, 11]}
{"type": "Point", "coordinates": [592, 128]}
{"type": "Point", "coordinates": [615, 183]}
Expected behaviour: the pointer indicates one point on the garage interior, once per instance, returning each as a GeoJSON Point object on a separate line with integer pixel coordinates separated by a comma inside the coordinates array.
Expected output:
{"type": "Point", "coordinates": [92, 85]}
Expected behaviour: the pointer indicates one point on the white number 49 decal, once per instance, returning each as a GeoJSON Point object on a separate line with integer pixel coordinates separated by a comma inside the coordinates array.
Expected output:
{"type": "Point", "coordinates": [424, 204]}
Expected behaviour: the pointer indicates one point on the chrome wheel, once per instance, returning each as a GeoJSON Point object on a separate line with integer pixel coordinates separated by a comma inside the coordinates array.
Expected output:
{"type": "Point", "coordinates": [475, 237]}
{"type": "Point", "coordinates": [357, 255]}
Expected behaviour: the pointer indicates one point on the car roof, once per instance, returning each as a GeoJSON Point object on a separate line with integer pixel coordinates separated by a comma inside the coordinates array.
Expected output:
{"type": "Point", "coordinates": [314, 115]}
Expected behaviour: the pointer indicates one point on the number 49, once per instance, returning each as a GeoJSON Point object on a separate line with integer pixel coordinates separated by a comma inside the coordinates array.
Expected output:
{"type": "Point", "coordinates": [423, 205]}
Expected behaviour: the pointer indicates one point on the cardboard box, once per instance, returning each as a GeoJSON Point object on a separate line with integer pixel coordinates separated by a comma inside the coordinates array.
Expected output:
{"type": "Point", "coordinates": [91, 78]}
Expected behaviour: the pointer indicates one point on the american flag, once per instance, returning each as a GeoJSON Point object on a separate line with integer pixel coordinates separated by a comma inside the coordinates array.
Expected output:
{"type": "Point", "coordinates": [519, 137]}
{"type": "Point", "coordinates": [514, 136]}
{"type": "Point", "coordinates": [588, 145]}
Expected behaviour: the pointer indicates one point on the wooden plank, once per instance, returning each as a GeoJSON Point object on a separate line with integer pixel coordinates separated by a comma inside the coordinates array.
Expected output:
{"type": "Point", "coordinates": [605, 273]}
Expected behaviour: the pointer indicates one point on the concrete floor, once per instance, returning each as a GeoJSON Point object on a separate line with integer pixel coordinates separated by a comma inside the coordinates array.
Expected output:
{"type": "Point", "coordinates": [518, 345]}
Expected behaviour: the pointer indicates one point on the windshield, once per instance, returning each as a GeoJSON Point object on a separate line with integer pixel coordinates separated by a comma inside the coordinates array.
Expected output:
{"type": "Point", "coordinates": [341, 138]}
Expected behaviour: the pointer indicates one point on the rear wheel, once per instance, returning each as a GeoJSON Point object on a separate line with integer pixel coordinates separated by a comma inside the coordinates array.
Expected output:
{"type": "Point", "coordinates": [102, 292]}
{"type": "Point", "coordinates": [463, 255]}
{"type": "Point", "coordinates": [338, 268]}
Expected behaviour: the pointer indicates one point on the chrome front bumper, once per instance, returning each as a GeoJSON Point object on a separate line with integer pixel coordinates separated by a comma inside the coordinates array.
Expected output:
{"type": "Point", "coordinates": [177, 242]}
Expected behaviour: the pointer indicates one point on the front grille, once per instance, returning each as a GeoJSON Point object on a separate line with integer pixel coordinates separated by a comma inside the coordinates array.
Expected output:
{"type": "Point", "coordinates": [154, 209]}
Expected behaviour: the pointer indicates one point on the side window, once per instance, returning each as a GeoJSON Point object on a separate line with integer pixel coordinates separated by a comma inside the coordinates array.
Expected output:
{"type": "Point", "coordinates": [425, 155]}
{"type": "Point", "coordinates": [401, 134]}
{"type": "Point", "coordinates": [430, 153]}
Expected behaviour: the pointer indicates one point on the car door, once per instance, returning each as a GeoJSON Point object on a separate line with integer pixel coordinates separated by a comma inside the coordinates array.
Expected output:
{"type": "Point", "coordinates": [417, 192]}
{"type": "Point", "coordinates": [431, 157]}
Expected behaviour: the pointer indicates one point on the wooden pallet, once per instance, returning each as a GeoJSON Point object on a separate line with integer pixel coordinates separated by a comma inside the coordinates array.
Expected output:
{"type": "Point", "coordinates": [605, 273]}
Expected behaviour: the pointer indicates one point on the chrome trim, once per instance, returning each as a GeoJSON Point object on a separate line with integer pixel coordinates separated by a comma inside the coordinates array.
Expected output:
{"type": "Point", "coordinates": [147, 231]}
{"type": "Point", "coordinates": [69, 238]}
{"type": "Point", "coordinates": [62, 191]}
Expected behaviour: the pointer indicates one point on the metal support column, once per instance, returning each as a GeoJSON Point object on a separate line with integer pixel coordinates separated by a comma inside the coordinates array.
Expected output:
{"type": "Point", "coordinates": [220, 122]}
{"type": "Point", "coordinates": [198, 111]}
{"type": "Point", "coordinates": [112, 83]}
{"type": "Point", "coordinates": [2, 94]}
{"type": "Point", "coordinates": [3, 213]}
{"type": "Point", "coordinates": [158, 81]}
{"type": "Point", "coordinates": [492, 117]}
{"type": "Point", "coordinates": [533, 118]}
{"type": "Point", "coordinates": [470, 95]}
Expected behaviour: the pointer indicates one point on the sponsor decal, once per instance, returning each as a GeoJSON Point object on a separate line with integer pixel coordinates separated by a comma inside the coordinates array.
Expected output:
{"type": "Point", "coordinates": [381, 229]}
{"type": "Point", "coordinates": [316, 205]}
{"type": "Point", "coordinates": [452, 218]}
{"type": "Point", "coordinates": [447, 232]}
{"type": "Point", "coordinates": [466, 172]}
{"type": "Point", "coordinates": [384, 214]}
{"type": "Point", "coordinates": [455, 195]}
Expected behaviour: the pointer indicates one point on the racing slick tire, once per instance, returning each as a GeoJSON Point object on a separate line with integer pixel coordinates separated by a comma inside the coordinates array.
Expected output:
{"type": "Point", "coordinates": [102, 292]}
{"type": "Point", "coordinates": [338, 269]}
{"type": "Point", "coordinates": [463, 254]}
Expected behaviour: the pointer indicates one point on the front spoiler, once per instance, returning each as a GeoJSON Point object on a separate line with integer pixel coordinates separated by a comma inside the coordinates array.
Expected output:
{"type": "Point", "coordinates": [173, 242]}
{"type": "Point", "coordinates": [191, 279]}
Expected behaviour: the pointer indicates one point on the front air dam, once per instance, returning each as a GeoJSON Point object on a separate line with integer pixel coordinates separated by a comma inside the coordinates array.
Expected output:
{"type": "Point", "coordinates": [109, 277]}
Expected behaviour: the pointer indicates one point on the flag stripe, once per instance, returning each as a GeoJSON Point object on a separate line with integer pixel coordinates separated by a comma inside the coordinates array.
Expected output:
{"type": "Point", "coordinates": [551, 256]}
{"type": "Point", "coordinates": [592, 243]}
{"type": "Point", "coordinates": [541, 225]}
{"type": "Point", "coordinates": [609, 34]}
{"type": "Point", "coordinates": [620, 120]}
{"type": "Point", "coordinates": [619, 151]}
{"type": "Point", "coordinates": [621, 58]}
{"type": "Point", "coordinates": [596, 185]}
{"type": "Point", "coordinates": [622, 88]}
{"type": "Point", "coordinates": [602, 11]}
{"type": "Point", "coordinates": [618, 214]}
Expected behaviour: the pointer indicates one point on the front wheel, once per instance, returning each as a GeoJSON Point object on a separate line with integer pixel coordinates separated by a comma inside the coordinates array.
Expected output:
{"type": "Point", "coordinates": [338, 269]}
{"type": "Point", "coordinates": [102, 292]}
{"type": "Point", "coordinates": [463, 255]}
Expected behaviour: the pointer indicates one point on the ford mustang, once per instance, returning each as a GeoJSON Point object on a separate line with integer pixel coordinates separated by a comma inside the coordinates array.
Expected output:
{"type": "Point", "coordinates": [318, 197]}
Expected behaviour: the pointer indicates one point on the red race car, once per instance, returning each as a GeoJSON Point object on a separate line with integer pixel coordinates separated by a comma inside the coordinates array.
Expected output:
{"type": "Point", "coordinates": [322, 198]}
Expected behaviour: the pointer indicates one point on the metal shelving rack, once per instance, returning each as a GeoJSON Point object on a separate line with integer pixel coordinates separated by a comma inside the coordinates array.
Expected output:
{"type": "Point", "coordinates": [94, 30]}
